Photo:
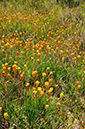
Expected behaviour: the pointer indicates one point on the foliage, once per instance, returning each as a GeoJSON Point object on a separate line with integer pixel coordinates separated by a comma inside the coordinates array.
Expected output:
{"type": "Point", "coordinates": [42, 62]}
{"type": "Point", "coordinates": [42, 3]}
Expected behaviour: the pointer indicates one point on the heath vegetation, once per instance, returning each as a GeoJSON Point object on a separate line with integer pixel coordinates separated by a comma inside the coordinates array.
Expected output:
{"type": "Point", "coordinates": [42, 64]}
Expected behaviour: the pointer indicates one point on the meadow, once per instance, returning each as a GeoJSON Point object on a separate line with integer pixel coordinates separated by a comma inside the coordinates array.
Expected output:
{"type": "Point", "coordinates": [42, 65]}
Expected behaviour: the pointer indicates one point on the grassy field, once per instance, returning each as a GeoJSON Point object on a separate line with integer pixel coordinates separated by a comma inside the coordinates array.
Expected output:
{"type": "Point", "coordinates": [42, 65]}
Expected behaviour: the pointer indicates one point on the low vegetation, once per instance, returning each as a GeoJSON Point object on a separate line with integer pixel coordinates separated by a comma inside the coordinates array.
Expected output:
{"type": "Point", "coordinates": [42, 65]}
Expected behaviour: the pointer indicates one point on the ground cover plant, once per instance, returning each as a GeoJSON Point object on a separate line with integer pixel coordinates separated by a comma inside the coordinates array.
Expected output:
{"type": "Point", "coordinates": [42, 65]}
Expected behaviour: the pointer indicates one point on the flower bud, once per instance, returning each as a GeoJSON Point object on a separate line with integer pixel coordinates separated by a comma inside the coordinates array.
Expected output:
{"type": "Point", "coordinates": [46, 107]}
{"type": "Point", "coordinates": [0, 109]}
{"type": "Point", "coordinates": [61, 95]}
{"type": "Point", "coordinates": [5, 115]}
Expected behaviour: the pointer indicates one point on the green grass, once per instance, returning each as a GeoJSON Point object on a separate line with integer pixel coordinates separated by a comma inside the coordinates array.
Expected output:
{"type": "Point", "coordinates": [32, 40]}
